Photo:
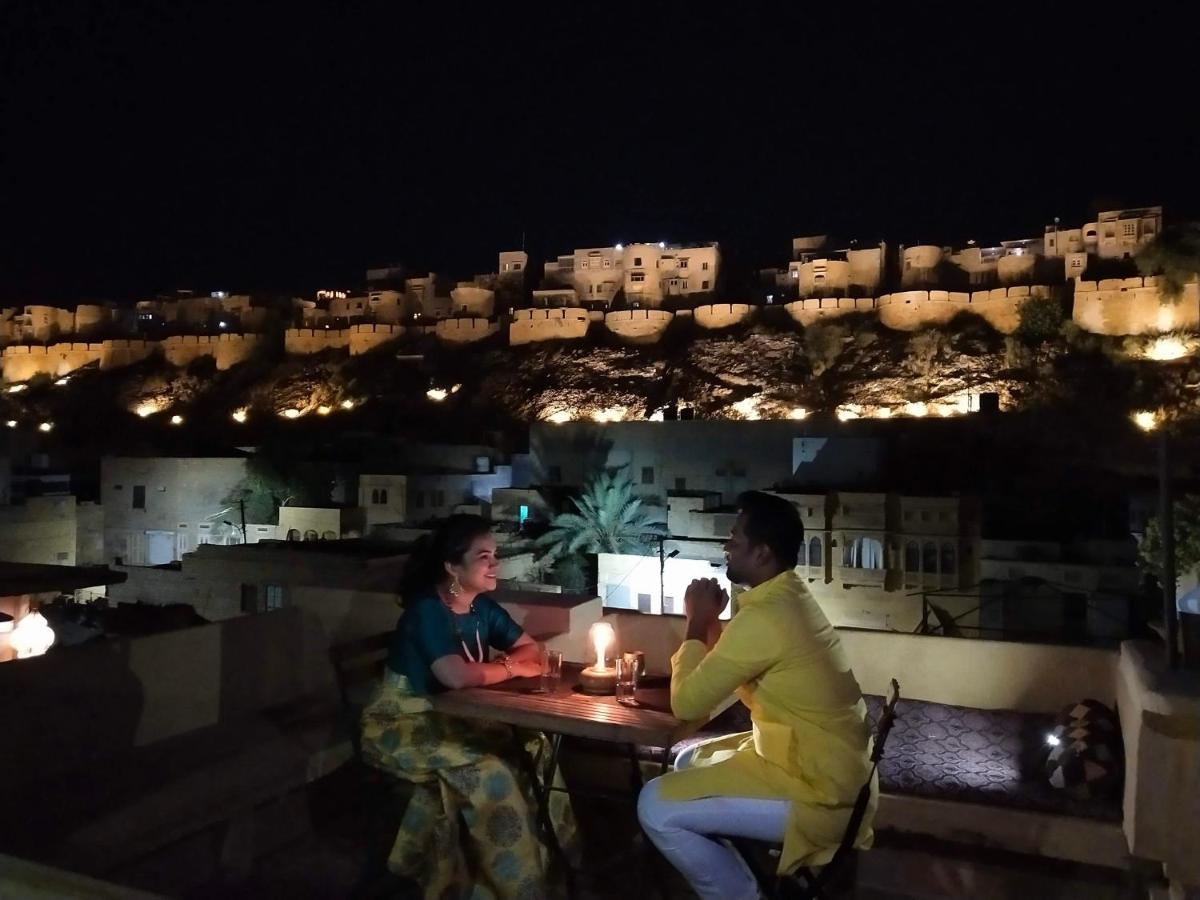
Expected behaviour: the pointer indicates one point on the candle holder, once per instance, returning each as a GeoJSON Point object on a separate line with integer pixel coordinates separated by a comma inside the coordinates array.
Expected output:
{"type": "Point", "coordinates": [599, 678]}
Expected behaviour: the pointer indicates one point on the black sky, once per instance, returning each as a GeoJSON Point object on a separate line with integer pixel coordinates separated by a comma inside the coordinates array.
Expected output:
{"type": "Point", "coordinates": [148, 146]}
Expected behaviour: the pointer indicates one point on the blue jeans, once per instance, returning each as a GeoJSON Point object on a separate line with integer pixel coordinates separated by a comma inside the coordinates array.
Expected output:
{"type": "Point", "coordinates": [688, 834]}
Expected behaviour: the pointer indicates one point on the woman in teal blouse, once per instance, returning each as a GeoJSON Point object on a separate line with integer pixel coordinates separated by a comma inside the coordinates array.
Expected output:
{"type": "Point", "coordinates": [465, 771]}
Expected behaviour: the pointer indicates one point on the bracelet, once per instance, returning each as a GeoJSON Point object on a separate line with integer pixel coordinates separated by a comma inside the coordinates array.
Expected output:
{"type": "Point", "coordinates": [507, 666]}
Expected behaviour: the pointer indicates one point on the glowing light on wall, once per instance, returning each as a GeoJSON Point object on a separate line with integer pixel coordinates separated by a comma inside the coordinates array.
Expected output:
{"type": "Point", "coordinates": [176, 420]}
{"type": "Point", "coordinates": [11, 423]}
{"type": "Point", "coordinates": [292, 413]}
{"type": "Point", "coordinates": [240, 416]}
{"type": "Point", "coordinates": [62, 382]}
{"type": "Point", "coordinates": [747, 409]}
{"type": "Point", "coordinates": [849, 411]}
{"type": "Point", "coordinates": [612, 414]}
{"type": "Point", "coordinates": [918, 409]}
{"type": "Point", "coordinates": [1164, 349]}
{"type": "Point", "coordinates": [46, 427]}
{"type": "Point", "coordinates": [657, 416]}
{"type": "Point", "coordinates": [1145, 420]}
{"type": "Point", "coordinates": [436, 394]}
{"type": "Point", "coordinates": [560, 417]}
{"type": "Point", "coordinates": [799, 413]}
{"type": "Point", "coordinates": [884, 412]}
{"type": "Point", "coordinates": [347, 404]}
{"type": "Point", "coordinates": [324, 410]}
{"type": "Point", "coordinates": [17, 388]}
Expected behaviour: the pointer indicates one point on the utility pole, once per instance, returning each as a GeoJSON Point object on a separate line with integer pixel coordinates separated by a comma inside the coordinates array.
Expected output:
{"type": "Point", "coordinates": [242, 504]}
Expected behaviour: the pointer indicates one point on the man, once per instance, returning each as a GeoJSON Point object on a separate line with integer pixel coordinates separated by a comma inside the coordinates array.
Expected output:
{"type": "Point", "coordinates": [794, 778]}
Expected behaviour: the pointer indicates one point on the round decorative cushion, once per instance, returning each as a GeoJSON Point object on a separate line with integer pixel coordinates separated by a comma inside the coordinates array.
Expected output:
{"type": "Point", "coordinates": [1085, 758]}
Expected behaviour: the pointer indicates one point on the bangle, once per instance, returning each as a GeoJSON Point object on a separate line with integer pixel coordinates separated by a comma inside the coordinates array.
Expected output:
{"type": "Point", "coordinates": [507, 665]}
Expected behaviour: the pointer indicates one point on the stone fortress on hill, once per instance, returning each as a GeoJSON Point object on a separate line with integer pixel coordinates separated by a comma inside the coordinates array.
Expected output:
{"type": "Point", "coordinates": [634, 291]}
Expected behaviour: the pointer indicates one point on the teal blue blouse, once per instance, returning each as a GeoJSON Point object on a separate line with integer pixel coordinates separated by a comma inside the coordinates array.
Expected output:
{"type": "Point", "coordinates": [427, 630]}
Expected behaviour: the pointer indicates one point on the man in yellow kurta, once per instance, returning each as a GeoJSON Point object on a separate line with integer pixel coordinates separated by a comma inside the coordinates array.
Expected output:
{"type": "Point", "coordinates": [795, 777]}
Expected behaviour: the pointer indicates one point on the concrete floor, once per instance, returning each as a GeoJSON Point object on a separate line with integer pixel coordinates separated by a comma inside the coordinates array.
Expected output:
{"type": "Point", "coordinates": [342, 856]}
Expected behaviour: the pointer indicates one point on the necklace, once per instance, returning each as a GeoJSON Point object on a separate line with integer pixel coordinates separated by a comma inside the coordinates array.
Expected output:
{"type": "Point", "coordinates": [462, 640]}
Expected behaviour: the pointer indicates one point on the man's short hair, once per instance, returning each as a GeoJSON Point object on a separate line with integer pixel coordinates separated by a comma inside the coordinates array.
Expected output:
{"type": "Point", "coordinates": [771, 520]}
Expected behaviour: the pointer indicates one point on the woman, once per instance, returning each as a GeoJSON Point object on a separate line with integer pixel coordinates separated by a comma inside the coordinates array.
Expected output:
{"type": "Point", "coordinates": [466, 772]}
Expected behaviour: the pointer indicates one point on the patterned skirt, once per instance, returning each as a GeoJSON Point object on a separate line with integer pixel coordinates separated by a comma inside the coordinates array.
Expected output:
{"type": "Point", "coordinates": [470, 829]}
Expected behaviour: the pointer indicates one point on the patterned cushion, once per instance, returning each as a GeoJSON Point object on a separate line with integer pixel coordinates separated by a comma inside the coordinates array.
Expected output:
{"type": "Point", "coordinates": [955, 753]}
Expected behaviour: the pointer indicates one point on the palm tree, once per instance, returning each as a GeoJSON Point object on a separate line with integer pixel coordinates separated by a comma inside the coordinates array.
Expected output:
{"type": "Point", "coordinates": [609, 518]}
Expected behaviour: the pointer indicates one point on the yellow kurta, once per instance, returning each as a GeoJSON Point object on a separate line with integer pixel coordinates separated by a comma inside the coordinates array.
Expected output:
{"type": "Point", "coordinates": [810, 742]}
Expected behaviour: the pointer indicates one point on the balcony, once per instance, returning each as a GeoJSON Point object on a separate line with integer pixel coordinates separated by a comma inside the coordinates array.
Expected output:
{"type": "Point", "coordinates": [214, 761]}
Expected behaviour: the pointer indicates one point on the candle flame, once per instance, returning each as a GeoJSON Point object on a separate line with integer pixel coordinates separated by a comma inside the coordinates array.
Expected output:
{"type": "Point", "coordinates": [602, 636]}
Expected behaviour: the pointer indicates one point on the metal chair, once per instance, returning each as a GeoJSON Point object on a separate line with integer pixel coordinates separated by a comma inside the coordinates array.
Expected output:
{"type": "Point", "coordinates": [813, 883]}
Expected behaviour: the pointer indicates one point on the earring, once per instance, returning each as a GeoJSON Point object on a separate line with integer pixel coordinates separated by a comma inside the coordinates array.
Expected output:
{"type": "Point", "coordinates": [455, 586]}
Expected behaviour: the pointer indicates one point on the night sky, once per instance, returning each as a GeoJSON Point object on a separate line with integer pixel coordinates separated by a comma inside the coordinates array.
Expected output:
{"type": "Point", "coordinates": [152, 146]}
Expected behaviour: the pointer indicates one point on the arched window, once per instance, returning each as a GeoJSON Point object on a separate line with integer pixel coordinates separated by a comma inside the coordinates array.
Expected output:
{"type": "Point", "coordinates": [328, 536]}
{"type": "Point", "coordinates": [375, 496]}
{"type": "Point", "coordinates": [814, 552]}
{"type": "Point", "coordinates": [929, 557]}
{"type": "Point", "coordinates": [912, 557]}
{"type": "Point", "coordinates": [310, 535]}
{"type": "Point", "coordinates": [802, 556]}
{"type": "Point", "coordinates": [949, 563]}
{"type": "Point", "coordinates": [863, 553]}
{"type": "Point", "coordinates": [293, 534]}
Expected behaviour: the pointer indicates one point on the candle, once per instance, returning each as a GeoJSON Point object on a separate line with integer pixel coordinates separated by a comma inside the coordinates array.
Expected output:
{"type": "Point", "coordinates": [600, 678]}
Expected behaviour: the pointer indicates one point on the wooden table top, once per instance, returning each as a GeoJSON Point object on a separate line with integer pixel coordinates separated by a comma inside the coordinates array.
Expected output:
{"type": "Point", "coordinates": [571, 712]}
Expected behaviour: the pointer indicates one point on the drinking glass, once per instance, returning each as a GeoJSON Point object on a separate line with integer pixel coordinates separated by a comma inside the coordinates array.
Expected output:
{"type": "Point", "coordinates": [627, 681]}
{"type": "Point", "coordinates": [552, 661]}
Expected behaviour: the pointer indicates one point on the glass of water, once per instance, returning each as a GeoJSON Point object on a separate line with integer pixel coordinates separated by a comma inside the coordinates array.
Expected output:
{"type": "Point", "coordinates": [627, 680]}
{"type": "Point", "coordinates": [552, 661]}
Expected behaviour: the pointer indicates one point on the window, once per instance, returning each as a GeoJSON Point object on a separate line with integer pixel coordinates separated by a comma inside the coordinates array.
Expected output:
{"type": "Point", "coordinates": [681, 484]}
{"type": "Point", "coordinates": [583, 264]}
{"type": "Point", "coordinates": [523, 513]}
{"type": "Point", "coordinates": [310, 535]}
{"type": "Point", "coordinates": [293, 534]}
{"type": "Point", "coordinates": [924, 515]}
{"type": "Point", "coordinates": [929, 557]}
{"type": "Point", "coordinates": [643, 603]}
{"type": "Point", "coordinates": [637, 260]}
{"type": "Point", "coordinates": [948, 559]}
{"type": "Point", "coordinates": [912, 557]}
{"type": "Point", "coordinates": [637, 276]}
{"type": "Point", "coordinates": [329, 535]}
{"type": "Point", "coordinates": [908, 515]}
{"type": "Point", "coordinates": [139, 496]}
{"type": "Point", "coordinates": [801, 556]}
{"type": "Point", "coordinates": [1129, 229]}
{"type": "Point", "coordinates": [810, 512]}
{"type": "Point", "coordinates": [704, 266]}
{"type": "Point", "coordinates": [273, 594]}
{"type": "Point", "coordinates": [683, 262]}
{"type": "Point", "coordinates": [555, 474]}
{"type": "Point", "coordinates": [704, 285]}
{"type": "Point", "coordinates": [383, 498]}
{"type": "Point", "coordinates": [516, 267]}
{"type": "Point", "coordinates": [814, 552]}
{"type": "Point", "coordinates": [863, 553]}
{"type": "Point", "coordinates": [608, 263]}
{"type": "Point", "coordinates": [438, 498]}
{"type": "Point", "coordinates": [647, 474]}
{"type": "Point", "coordinates": [61, 556]}
{"type": "Point", "coordinates": [118, 487]}
{"type": "Point", "coordinates": [943, 515]}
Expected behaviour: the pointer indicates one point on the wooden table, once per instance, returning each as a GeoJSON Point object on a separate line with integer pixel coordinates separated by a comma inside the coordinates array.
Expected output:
{"type": "Point", "coordinates": [568, 712]}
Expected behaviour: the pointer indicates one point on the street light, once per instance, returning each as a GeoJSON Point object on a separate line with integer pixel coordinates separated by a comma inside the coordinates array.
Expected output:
{"type": "Point", "coordinates": [1150, 421]}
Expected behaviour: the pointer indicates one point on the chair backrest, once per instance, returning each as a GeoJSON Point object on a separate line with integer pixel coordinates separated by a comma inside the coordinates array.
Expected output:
{"type": "Point", "coordinates": [883, 728]}
{"type": "Point", "coordinates": [357, 663]}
